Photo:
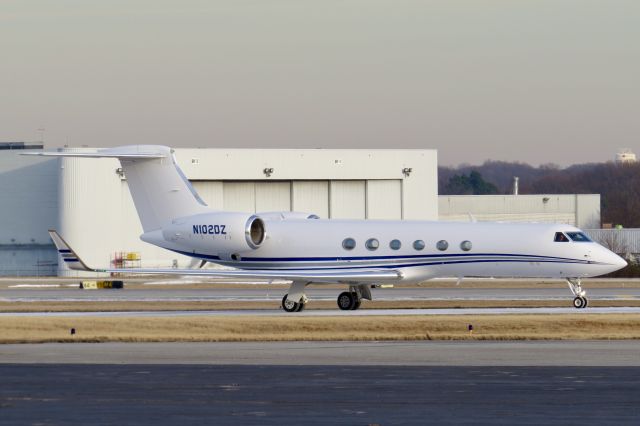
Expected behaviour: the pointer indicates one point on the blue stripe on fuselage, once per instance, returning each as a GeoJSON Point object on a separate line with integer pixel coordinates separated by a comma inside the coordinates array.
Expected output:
{"type": "Point", "coordinates": [433, 260]}
{"type": "Point", "coordinates": [423, 256]}
{"type": "Point", "coordinates": [412, 265]}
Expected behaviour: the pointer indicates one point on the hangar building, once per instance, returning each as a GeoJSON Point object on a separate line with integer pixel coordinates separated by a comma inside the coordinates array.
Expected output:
{"type": "Point", "coordinates": [581, 210]}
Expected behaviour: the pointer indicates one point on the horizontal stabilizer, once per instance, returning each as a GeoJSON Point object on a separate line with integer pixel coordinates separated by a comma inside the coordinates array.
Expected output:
{"type": "Point", "coordinates": [130, 151]}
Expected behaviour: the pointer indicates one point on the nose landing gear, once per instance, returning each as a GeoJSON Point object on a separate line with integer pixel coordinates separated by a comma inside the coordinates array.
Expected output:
{"type": "Point", "coordinates": [580, 301]}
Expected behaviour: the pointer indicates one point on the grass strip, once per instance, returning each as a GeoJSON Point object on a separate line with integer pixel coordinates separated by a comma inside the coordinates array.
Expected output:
{"type": "Point", "coordinates": [292, 328]}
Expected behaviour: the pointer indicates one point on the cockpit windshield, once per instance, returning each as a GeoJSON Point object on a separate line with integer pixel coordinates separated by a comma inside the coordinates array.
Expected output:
{"type": "Point", "coordinates": [560, 238]}
{"type": "Point", "coordinates": [579, 237]}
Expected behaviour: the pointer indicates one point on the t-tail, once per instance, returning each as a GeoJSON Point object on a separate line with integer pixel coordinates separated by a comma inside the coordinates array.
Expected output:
{"type": "Point", "coordinates": [160, 190]}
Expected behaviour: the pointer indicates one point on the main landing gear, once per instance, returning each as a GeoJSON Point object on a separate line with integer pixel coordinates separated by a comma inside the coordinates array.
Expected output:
{"type": "Point", "coordinates": [291, 306]}
{"type": "Point", "coordinates": [352, 299]}
{"type": "Point", "coordinates": [296, 300]}
{"type": "Point", "coordinates": [580, 301]}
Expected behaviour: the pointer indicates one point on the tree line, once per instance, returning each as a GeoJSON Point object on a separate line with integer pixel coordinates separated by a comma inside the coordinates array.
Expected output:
{"type": "Point", "coordinates": [617, 184]}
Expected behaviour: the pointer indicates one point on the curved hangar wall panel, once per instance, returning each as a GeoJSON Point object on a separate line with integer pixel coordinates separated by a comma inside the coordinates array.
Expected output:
{"type": "Point", "coordinates": [29, 207]}
{"type": "Point", "coordinates": [98, 218]}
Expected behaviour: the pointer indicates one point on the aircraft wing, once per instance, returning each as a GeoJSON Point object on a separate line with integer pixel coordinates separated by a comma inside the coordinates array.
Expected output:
{"type": "Point", "coordinates": [73, 261]}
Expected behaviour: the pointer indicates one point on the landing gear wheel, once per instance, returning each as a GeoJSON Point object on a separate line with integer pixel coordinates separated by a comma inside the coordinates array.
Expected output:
{"type": "Point", "coordinates": [290, 306]}
{"type": "Point", "coordinates": [301, 307]}
{"type": "Point", "coordinates": [580, 300]}
{"type": "Point", "coordinates": [346, 301]}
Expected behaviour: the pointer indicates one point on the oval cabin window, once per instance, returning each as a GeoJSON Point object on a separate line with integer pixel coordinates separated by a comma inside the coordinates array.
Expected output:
{"type": "Point", "coordinates": [466, 245]}
{"type": "Point", "coordinates": [372, 244]}
{"type": "Point", "coordinates": [442, 245]}
{"type": "Point", "coordinates": [349, 244]}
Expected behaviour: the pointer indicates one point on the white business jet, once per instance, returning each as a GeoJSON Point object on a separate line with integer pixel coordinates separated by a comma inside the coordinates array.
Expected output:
{"type": "Point", "coordinates": [304, 249]}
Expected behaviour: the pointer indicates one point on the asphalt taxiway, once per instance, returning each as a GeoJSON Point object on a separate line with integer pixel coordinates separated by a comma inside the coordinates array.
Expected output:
{"type": "Point", "coordinates": [317, 395]}
{"type": "Point", "coordinates": [321, 383]}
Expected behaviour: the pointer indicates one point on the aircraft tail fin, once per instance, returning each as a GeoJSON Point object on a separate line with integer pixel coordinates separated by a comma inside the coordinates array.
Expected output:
{"type": "Point", "coordinates": [159, 189]}
{"type": "Point", "coordinates": [70, 258]}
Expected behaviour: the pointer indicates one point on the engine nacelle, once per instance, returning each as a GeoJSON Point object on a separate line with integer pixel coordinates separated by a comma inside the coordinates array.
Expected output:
{"type": "Point", "coordinates": [220, 234]}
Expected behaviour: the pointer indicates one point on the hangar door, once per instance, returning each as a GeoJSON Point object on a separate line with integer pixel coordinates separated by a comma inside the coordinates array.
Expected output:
{"type": "Point", "coordinates": [384, 199]}
{"type": "Point", "coordinates": [273, 196]}
{"type": "Point", "coordinates": [257, 196]}
{"type": "Point", "coordinates": [311, 197]}
{"type": "Point", "coordinates": [347, 199]}
{"type": "Point", "coordinates": [371, 199]}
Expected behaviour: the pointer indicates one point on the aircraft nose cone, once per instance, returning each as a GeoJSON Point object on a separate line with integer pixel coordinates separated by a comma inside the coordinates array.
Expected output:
{"type": "Point", "coordinates": [614, 260]}
{"type": "Point", "coordinates": [609, 260]}
{"type": "Point", "coordinates": [619, 262]}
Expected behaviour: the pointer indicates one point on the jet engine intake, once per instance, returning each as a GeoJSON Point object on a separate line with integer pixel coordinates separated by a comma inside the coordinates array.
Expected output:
{"type": "Point", "coordinates": [255, 232]}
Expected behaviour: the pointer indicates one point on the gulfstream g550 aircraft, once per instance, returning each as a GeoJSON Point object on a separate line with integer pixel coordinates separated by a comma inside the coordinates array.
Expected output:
{"type": "Point", "coordinates": [304, 249]}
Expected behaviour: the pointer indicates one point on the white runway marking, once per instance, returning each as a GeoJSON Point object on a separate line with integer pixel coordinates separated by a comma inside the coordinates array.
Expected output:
{"type": "Point", "coordinates": [42, 285]}
{"type": "Point", "coordinates": [336, 312]}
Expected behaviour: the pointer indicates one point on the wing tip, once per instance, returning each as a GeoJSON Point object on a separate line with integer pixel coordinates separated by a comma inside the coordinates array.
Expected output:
{"type": "Point", "coordinates": [68, 255]}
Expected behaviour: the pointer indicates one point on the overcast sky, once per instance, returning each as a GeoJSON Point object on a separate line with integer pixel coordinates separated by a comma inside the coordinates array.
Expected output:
{"type": "Point", "coordinates": [537, 81]}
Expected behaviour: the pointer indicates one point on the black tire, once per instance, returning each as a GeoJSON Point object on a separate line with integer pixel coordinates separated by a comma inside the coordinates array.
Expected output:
{"type": "Point", "coordinates": [346, 301]}
{"type": "Point", "coordinates": [586, 302]}
{"type": "Point", "coordinates": [357, 304]}
{"type": "Point", "coordinates": [301, 307]}
{"type": "Point", "coordinates": [288, 305]}
{"type": "Point", "coordinates": [579, 303]}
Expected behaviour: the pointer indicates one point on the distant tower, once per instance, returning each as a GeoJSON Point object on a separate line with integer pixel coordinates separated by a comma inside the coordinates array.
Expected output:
{"type": "Point", "coordinates": [625, 156]}
{"type": "Point", "coordinates": [516, 180]}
